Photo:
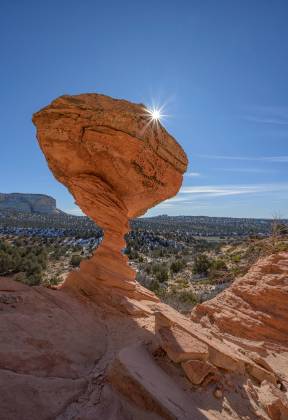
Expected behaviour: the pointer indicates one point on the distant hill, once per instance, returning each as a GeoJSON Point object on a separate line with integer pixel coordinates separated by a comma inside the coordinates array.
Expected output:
{"type": "Point", "coordinates": [208, 226]}
{"type": "Point", "coordinates": [29, 203]}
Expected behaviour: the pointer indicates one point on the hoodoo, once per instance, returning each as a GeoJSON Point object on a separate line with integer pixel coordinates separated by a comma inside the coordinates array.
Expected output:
{"type": "Point", "coordinates": [117, 162]}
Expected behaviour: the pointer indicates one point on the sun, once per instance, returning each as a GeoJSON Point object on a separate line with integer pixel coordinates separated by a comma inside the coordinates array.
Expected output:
{"type": "Point", "coordinates": [155, 114]}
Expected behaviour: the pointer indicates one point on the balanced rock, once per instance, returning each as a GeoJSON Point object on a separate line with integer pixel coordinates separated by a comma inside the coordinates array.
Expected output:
{"type": "Point", "coordinates": [117, 162]}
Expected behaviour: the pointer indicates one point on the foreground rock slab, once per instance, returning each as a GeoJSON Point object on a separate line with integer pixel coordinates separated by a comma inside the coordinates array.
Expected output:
{"type": "Point", "coordinates": [140, 379]}
{"type": "Point", "coordinates": [55, 350]}
{"type": "Point", "coordinates": [44, 364]}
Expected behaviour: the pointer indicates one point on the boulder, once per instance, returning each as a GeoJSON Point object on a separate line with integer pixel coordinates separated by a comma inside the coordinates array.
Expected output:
{"type": "Point", "coordinates": [181, 346]}
{"type": "Point", "coordinates": [197, 370]}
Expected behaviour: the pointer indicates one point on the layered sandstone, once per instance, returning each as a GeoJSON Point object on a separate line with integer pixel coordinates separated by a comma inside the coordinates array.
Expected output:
{"type": "Point", "coordinates": [117, 163]}
{"type": "Point", "coordinates": [237, 341]}
{"type": "Point", "coordinates": [254, 307]}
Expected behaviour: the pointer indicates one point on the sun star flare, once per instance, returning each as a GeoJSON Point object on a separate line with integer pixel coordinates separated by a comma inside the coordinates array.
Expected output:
{"type": "Point", "coordinates": [155, 114]}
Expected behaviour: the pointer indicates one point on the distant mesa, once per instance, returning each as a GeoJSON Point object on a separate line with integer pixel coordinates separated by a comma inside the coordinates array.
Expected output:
{"type": "Point", "coordinates": [29, 203]}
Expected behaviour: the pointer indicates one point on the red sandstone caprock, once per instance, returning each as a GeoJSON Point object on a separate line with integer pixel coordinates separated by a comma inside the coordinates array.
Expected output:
{"type": "Point", "coordinates": [117, 163]}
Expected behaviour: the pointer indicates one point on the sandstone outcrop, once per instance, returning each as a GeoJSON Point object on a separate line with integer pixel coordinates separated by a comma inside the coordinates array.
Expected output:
{"type": "Point", "coordinates": [253, 308]}
{"type": "Point", "coordinates": [245, 332]}
{"type": "Point", "coordinates": [117, 163]}
{"type": "Point", "coordinates": [251, 316]}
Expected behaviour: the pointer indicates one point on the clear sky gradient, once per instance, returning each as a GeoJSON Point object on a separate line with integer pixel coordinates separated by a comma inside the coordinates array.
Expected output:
{"type": "Point", "coordinates": [221, 68]}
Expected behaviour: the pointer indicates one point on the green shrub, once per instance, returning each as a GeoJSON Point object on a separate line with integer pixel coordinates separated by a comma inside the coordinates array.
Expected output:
{"type": "Point", "coordinates": [182, 283]}
{"type": "Point", "coordinates": [219, 265]}
{"type": "Point", "coordinates": [132, 254]}
{"type": "Point", "coordinates": [281, 246]}
{"type": "Point", "coordinates": [162, 275]}
{"type": "Point", "coordinates": [75, 260]}
{"type": "Point", "coordinates": [33, 279]}
{"type": "Point", "coordinates": [148, 268]}
{"type": "Point", "coordinates": [33, 267]}
{"type": "Point", "coordinates": [21, 277]}
{"type": "Point", "coordinates": [235, 258]}
{"type": "Point", "coordinates": [54, 281]}
{"type": "Point", "coordinates": [201, 264]}
{"type": "Point", "coordinates": [140, 258]}
{"type": "Point", "coordinates": [183, 300]}
{"type": "Point", "coordinates": [186, 296]}
{"type": "Point", "coordinates": [177, 265]}
{"type": "Point", "coordinates": [154, 286]}
{"type": "Point", "coordinates": [6, 263]}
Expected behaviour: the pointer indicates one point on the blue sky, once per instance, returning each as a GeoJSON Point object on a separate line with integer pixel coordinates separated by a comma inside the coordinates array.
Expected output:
{"type": "Point", "coordinates": [219, 66]}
